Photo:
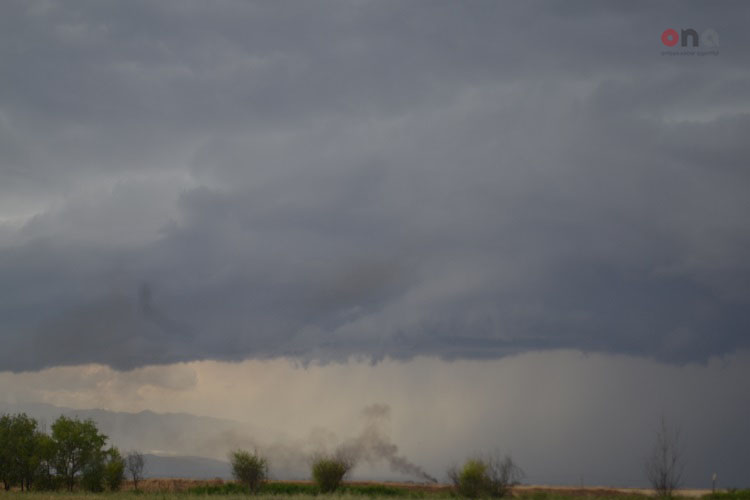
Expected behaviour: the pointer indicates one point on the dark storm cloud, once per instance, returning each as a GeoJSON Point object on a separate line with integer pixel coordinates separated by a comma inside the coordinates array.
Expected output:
{"type": "Point", "coordinates": [183, 181]}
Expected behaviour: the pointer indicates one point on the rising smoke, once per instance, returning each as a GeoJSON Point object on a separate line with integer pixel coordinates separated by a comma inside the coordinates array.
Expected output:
{"type": "Point", "coordinates": [183, 435]}
{"type": "Point", "coordinates": [291, 458]}
{"type": "Point", "coordinates": [373, 445]}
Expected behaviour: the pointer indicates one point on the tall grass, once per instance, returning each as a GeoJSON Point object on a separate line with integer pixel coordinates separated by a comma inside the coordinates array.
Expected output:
{"type": "Point", "coordinates": [305, 489]}
{"type": "Point", "coordinates": [301, 491]}
{"type": "Point", "coordinates": [732, 494]}
{"type": "Point", "coordinates": [64, 495]}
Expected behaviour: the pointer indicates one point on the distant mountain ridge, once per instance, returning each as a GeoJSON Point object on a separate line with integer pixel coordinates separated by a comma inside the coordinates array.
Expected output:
{"type": "Point", "coordinates": [186, 467]}
{"type": "Point", "coordinates": [178, 445]}
{"type": "Point", "coordinates": [182, 445]}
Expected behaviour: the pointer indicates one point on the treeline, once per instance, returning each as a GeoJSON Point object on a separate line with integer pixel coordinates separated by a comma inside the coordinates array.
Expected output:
{"type": "Point", "coordinates": [73, 454]}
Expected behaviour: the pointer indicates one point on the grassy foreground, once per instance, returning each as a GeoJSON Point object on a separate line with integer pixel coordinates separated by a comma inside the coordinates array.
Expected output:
{"type": "Point", "coordinates": [350, 491]}
{"type": "Point", "coordinates": [335, 496]}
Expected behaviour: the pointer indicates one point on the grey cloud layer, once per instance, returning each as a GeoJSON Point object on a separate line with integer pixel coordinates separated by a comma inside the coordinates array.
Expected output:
{"type": "Point", "coordinates": [182, 181]}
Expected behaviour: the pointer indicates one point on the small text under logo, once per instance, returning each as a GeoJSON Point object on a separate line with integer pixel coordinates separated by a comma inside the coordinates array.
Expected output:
{"type": "Point", "coordinates": [691, 43]}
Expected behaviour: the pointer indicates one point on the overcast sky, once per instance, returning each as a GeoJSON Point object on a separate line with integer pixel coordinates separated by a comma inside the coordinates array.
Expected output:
{"type": "Point", "coordinates": [452, 188]}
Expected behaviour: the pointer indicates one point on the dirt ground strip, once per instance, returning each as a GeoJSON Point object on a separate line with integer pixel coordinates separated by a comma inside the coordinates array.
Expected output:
{"type": "Point", "coordinates": [602, 491]}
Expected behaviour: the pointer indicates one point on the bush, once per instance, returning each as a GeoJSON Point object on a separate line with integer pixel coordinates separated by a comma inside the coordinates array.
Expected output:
{"type": "Point", "coordinates": [486, 477]}
{"type": "Point", "coordinates": [250, 469]}
{"type": "Point", "coordinates": [328, 472]}
{"type": "Point", "coordinates": [471, 481]}
{"type": "Point", "coordinates": [104, 469]}
{"type": "Point", "coordinates": [45, 481]}
{"type": "Point", "coordinates": [114, 470]}
{"type": "Point", "coordinates": [92, 477]}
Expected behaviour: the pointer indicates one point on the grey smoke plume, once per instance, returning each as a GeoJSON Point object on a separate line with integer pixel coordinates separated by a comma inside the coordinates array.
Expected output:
{"type": "Point", "coordinates": [373, 445]}
{"type": "Point", "coordinates": [291, 458]}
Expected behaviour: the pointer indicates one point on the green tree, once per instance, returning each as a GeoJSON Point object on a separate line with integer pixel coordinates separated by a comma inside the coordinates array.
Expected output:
{"type": "Point", "coordinates": [92, 472]}
{"type": "Point", "coordinates": [18, 455]}
{"type": "Point", "coordinates": [114, 469]}
{"type": "Point", "coordinates": [77, 443]}
{"type": "Point", "coordinates": [105, 469]}
{"type": "Point", "coordinates": [6, 452]}
{"type": "Point", "coordinates": [250, 469]}
{"type": "Point", "coordinates": [25, 459]}
{"type": "Point", "coordinates": [46, 451]}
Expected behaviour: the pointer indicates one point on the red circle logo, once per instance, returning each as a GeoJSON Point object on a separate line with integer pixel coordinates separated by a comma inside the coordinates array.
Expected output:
{"type": "Point", "coordinates": [670, 38]}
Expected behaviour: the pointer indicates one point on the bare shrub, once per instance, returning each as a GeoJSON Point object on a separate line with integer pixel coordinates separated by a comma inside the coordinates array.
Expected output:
{"type": "Point", "coordinates": [503, 474]}
{"type": "Point", "coordinates": [665, 465]}
{"type": "Point", "coordinates": [134, 463]}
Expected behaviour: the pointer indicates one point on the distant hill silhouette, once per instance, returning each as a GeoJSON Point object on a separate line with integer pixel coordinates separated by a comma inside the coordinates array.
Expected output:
{"type": "Point", "coordinates": [186, 467]}
{"type": "Point", "coordinates": [178, 445]}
